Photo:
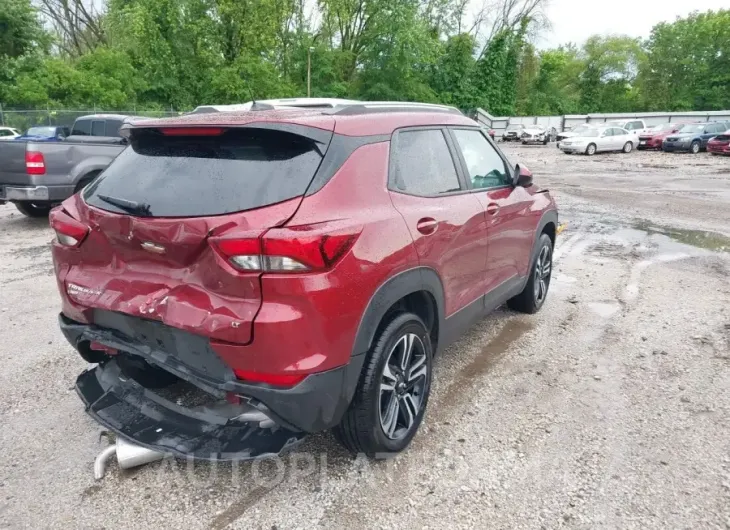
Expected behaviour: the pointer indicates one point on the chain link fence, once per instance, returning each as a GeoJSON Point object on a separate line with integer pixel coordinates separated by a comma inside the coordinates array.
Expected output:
{"type": "Point", "coordinates": [22, 120]}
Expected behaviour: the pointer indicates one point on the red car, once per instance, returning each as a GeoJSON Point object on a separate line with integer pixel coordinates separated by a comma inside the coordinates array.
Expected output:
{"type": "Point", "coordinates": [657, 134]}
{"type": "Point", "coordinates": [243, 279]}
{"type": "Point", "coordinates": [719, 145]}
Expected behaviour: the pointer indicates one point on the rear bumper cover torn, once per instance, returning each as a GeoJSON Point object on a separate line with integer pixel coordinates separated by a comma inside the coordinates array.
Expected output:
{"type": "Point", "coordinates": [315, 404]}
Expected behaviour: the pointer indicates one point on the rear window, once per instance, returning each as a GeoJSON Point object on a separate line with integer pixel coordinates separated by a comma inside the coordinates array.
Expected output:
{"type": "Point", "coordinates": [184, 176]}
{"type": "Point", "coordinates": [97, 128]}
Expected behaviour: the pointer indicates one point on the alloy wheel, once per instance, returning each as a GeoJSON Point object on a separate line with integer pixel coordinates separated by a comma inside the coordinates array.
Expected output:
{"type": "Point", "coordinates": [543, 268]}
{"type": "Point", "coordinates": [402, 386]}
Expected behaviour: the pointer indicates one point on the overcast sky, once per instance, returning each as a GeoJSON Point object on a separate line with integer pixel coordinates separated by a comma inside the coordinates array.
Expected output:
{"type": "Point", "coordinates": [576, 20]}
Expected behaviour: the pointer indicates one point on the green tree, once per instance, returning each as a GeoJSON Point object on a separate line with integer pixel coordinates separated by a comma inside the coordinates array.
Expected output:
{"type": "Point", "coordinates": [688, 64]}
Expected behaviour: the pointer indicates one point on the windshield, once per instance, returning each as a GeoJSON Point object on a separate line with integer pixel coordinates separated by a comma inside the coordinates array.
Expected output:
{"type": "Point", "coordinates": [190, 176]}
{"type": "Point", "coordinates": [582, 128]}
{"type": "Point", "coordinates": [41, 131]}
{"type": "Point", "coordinates": [692, 128]}
{"type": "Point", "coordinates": [665, 127]}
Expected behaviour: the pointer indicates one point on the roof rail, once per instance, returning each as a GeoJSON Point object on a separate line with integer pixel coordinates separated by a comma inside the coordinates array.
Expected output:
{"type": "Point", "coordinates": [376, 107]}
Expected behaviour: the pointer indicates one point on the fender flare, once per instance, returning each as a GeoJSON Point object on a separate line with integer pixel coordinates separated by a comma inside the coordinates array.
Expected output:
{"type": "Point", "coordinates": [551, 216]}
{"type": "Point", "coordinates": [388, 293]}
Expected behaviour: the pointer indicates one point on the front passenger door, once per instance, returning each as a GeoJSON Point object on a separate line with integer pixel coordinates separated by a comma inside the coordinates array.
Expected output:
{"type": "Point", "coordinates": [510, 224]}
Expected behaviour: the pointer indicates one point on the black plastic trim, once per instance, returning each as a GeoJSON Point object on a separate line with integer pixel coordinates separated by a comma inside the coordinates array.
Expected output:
{"type": "Point", "coordinates": [395, 288]}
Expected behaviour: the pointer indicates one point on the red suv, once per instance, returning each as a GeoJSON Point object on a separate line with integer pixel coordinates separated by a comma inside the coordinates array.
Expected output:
{"type": "Point", "coordinates": [243, 279]}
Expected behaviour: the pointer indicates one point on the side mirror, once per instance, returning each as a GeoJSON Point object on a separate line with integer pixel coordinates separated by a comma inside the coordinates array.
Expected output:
{"type": "Point", "coordinates": [522, 177]}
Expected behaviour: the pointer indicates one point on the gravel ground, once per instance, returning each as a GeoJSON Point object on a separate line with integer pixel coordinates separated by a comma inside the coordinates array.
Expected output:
{"type": "Point", "coordinates": [608, 409]}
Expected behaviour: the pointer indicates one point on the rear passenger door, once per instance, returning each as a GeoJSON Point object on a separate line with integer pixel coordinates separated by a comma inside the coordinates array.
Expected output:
{"type": "Point", "coordinates": [510, 225]}
{"type": "Point", "coordinates": [447, 222]}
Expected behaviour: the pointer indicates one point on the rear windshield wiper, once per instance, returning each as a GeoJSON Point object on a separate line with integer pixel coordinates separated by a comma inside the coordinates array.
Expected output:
{"type": "Point", "coordinates": [135, 207]}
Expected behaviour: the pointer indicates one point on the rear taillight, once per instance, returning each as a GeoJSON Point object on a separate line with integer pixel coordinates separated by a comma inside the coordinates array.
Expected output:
{"type": "Point", "coordinates": [287, 380]}
{"type": "Point", "coordinates": [299, 249]}
{"type": "Point", "coordinates": [69, 231]}
{"type": "Point", "coordinates": [35, 164]}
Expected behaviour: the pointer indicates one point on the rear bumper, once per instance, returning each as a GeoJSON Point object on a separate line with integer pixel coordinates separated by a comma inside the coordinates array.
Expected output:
{"type": "Point", "coordinates": [217, 432]}
{"type": "Point", "coordinates": [315, 404]}
{"type": "Point", "coordinates": [35, 193]}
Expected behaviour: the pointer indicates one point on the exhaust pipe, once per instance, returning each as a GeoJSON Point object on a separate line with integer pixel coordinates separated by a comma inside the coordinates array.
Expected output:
{"type": "Point", "coordinates": [128, 455]}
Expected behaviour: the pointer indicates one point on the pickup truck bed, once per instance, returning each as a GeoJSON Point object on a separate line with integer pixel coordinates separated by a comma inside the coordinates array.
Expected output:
{"type": "Point", "coordinates": [68, 166]}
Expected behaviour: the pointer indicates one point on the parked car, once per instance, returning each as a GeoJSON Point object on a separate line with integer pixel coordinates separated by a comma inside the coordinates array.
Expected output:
{"type": "Point", "coordinates": [600, 139]}
{"type": "Point", "coordinates": [693, 138]}
{"type": "Point", "coordinates": [36, 174]}
{"type": "Point", "coordinates": [247, 258]}
{"type": "Point", "coordinates": [8, 133]}
{"type": "Point", "coordinates": [633, 125]}
{"type": "Point", "coordinates": [513, 133]}
{"type": "Point", "coordinates": [45, 133]}
{"type": "Point", "coordinates": [720, 144]}
{"type": "Point", "coordinates": [577, 131]}
{"type": "Point", "coordinates": [654, 138]}
{"type": "Point", "coordinates": [538, 135]}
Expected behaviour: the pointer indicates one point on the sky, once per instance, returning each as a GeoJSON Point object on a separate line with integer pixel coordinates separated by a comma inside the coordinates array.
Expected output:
{"type": "Point", "coordinates": [576, 20]}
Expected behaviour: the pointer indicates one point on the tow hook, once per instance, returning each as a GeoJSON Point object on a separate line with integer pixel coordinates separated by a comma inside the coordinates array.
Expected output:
{"type": "Point", "coordinates": [128, 455]}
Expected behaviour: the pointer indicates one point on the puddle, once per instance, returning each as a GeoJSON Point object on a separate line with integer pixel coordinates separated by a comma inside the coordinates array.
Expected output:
{"type": "Point", "coordinates": [695, 238]}
{"type": "Point", "coordinates": [484, 361]}
{"type": "Point", "coordinates": [604, 309]}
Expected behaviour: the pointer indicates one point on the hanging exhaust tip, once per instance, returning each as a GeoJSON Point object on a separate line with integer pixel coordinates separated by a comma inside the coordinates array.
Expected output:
{"type": "Point", "coordinates": [100, 462]}
{"type": "Point", "coordinates": [128, 455]}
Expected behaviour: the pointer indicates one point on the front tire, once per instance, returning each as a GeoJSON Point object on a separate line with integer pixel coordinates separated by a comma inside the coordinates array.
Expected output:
{"type": "Point", "coordinates": [533, 296]}
{"type": "Point", "coordinates": [694, 148]}
{"type": "Point", "coordinates": [33, 209]}
{"type": "Point", "coordinates": [392, 394]}
{"type": "Point", "coordinates": [591, 149]}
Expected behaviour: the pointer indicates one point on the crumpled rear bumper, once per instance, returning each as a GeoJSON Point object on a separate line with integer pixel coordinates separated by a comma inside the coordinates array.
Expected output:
{"type": "Point", "coordinates": [315, 404]}
{"type": "Point", "coordinates": [215, 432]}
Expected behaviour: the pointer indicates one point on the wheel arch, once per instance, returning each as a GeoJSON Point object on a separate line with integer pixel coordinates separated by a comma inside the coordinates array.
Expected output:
{"type": "Point", "coordinates": [413, 287]}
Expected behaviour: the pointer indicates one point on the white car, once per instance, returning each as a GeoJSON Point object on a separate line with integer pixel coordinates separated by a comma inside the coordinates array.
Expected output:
{"type": "Point", "coordinates": [7, 133]}
{"type": "Point", "coordinates": [538, 134]}
{"type": "Point", "coordinates": [600, 139]}
{"type": "Point", "coordinates": [634, 126]}
{"type": "Point", "coordinates": [574, 132]}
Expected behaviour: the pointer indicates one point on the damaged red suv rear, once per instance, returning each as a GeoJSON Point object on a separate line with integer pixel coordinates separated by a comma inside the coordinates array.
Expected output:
{"type": "Point", "coordinates": [241, 280]}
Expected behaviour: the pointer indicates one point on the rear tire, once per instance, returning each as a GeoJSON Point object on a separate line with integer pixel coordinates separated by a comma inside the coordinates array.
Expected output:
{"type": "Point", "coordinates": [381, 421]}
{"type": "Point", "coordinates": [628, 147]}
{"type": "Point", "coordinates": [533, 296]}
{"type": "Point", "coordinates": [33, 209]}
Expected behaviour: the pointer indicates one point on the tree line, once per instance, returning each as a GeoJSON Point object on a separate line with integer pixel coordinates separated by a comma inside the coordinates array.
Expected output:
{"type": "Point", "coordinates": [156, 54]}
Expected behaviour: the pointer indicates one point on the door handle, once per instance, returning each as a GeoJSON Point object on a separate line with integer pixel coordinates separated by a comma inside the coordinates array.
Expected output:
{"type": "Point", "coordinates": [427, 225]}
{"type": "Point", "coordinates": [492, 208]}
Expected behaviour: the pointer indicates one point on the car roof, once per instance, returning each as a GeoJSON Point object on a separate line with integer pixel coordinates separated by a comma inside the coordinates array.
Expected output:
{"type": "Point", "coordinates": [365, 120]}
{"type": "Point", "coordinates": [283, 102]}
{"type": "Point", "coordinates": [104, 117]}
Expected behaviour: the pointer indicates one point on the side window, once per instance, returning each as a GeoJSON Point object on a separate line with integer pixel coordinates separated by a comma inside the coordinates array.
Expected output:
{"type": "Point", "coordinates": [717, 128]}
{"type": "Point", "coordinates": [607, 132]}
{"type": "Point", "coordinates": [112, 127]}
{"type": "Point", "coordinates": [486, 168]}
{"type": "Point", "coordinates": [97, 128]}
{"type": "Point", "coordinates": [81, 128]}
{"type": "Point", "coordinates": [423, 163]}
{"type": "Point", "coordinates": [619, 132]}
{"type": "Point", "coordinates": [4, 133]}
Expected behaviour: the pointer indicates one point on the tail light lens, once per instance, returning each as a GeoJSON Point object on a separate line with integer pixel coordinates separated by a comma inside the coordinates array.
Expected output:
{"type": "Point", "coordinates": [299, 249]}
{"type": "Point", "coordinates": [69, 231]}
{"type": "Point", "coordinates": [287, 380]}
{"type": "Point", "coordinates": [35, 164]}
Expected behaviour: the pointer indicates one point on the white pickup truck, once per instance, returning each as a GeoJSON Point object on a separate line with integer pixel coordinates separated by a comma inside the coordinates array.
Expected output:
{"type": "Point", "coordinates": [633, 125]}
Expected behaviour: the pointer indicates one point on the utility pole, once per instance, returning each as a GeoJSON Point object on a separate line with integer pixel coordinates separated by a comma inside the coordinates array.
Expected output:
{"type": "Point", "coordinates": [309, 71]}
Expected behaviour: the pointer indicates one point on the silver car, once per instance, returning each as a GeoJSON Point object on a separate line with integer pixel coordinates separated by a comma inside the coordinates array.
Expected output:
{"type": "Point", "coordinates": [600, 139]}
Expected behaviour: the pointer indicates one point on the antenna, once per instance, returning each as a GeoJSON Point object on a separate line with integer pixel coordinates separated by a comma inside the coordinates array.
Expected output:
{"type": "Point", "coordinates": [248, 87]}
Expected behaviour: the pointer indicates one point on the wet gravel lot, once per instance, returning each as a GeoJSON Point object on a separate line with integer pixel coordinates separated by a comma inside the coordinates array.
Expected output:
{"type": "Point", "coordinates": [608, 409]}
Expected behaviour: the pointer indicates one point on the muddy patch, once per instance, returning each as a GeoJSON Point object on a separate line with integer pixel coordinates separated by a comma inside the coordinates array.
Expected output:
{"type": "Point", "coordinates": [696, 238]}
{"type": "Point", "coordinates": [484, 361]}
